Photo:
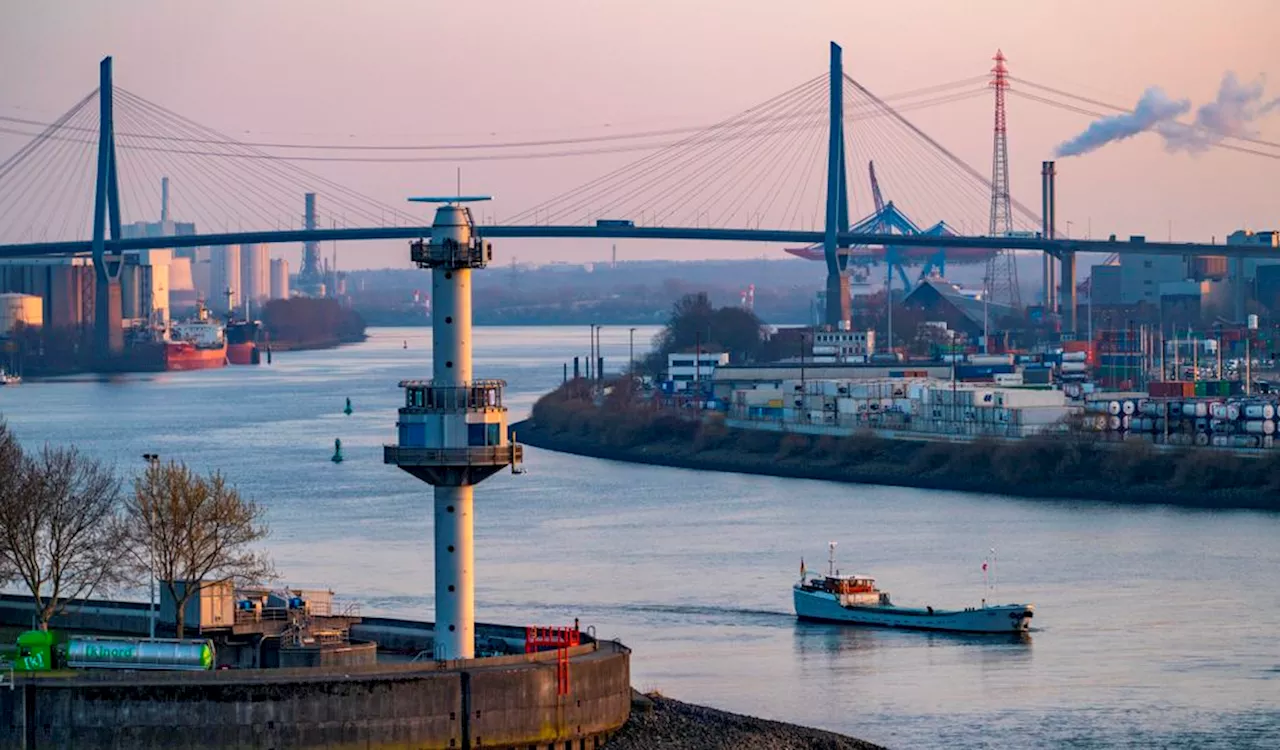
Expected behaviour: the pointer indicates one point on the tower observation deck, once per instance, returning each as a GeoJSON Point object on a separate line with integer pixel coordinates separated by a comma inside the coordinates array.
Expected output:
{"type": "Point", "coordinates": [452, 429]}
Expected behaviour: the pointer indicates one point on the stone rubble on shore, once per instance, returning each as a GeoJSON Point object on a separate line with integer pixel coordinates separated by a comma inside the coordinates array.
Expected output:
{"type": "Point", "coordinates": [660, 722]}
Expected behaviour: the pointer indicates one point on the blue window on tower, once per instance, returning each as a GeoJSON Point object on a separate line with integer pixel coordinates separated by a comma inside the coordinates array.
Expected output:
{"type": "Point", "coordinates": [483, 434]}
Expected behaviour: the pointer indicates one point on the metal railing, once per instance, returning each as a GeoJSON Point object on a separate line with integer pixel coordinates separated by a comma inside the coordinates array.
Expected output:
{"type": "Point", "coordinates": [450, 253]}
{"type": "Point", "coordinates": [313, 609]}
{"type": "Point", "coordinates": [478, 455]}
{"type": "Point", "coordinates": [478, 394]}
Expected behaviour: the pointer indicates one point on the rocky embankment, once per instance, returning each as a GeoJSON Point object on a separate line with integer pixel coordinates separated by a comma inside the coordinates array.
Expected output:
{"type": "Point", "coordinates": [1062, 466]}
{"type": "Point", "coordinates": [660, 722]}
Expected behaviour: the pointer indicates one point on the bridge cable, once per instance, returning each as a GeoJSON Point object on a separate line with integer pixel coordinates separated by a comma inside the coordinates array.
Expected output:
{"type": "Point", "coordinates": [952, 158]}
{"type": "Point", "coordinates": [724, 161]}
{"type": "Point", "coordinates": [725, 136]}
{"type": "Point", "coordinates": [664, 153]}
{"type": "Point", "coordinates": [267, 174]}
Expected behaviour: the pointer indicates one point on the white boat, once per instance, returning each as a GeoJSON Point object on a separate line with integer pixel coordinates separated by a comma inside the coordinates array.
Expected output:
{"type": "Point", "coordinates": [8, 378]}
{"type": "Point", "coordinates": [854, 599]}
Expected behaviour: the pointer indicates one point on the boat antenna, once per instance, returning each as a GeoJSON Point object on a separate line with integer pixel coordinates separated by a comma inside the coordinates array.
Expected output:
{"type": "Point", "coordinates": [993, 574]}
{"type": "Point", "coordinates": [831, 559]}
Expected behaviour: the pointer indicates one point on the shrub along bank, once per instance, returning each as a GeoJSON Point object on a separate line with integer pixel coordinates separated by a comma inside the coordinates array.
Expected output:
{"type": "Point", "coordinates": [1061, 466]}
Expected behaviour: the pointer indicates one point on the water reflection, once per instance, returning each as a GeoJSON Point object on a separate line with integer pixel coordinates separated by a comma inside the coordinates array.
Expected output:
{"type": "Point", "coordinates": [814, 639]}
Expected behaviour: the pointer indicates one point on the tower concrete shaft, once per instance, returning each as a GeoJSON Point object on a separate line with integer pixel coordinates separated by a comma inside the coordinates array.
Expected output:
{"type": "Point", "coordinates": [452, 428]}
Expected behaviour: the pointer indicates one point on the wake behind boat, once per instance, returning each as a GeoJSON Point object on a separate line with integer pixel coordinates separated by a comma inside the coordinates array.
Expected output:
{"type": "Point", "coordinates": [854, 599]}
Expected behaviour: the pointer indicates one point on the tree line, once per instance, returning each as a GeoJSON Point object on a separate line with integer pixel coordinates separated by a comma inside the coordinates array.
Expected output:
{"type": "Point", "coordinates": [71, 530]}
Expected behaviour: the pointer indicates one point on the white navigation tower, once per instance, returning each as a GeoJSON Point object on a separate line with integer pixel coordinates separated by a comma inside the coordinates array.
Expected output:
{"type": "Point", "coordinates": [452, 429]}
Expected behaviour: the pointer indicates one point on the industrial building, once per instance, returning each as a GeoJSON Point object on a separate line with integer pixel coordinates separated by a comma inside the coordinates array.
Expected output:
{"type": "Point", "coordinates": [911, 404]}
{"type": "Point", "coordinates": [943, 301]}
{"type": "Point", "coordinates": [255, 274]}
{"type": "Point", "coordinates": [65, 284]}
{"type": "Point", "coordinates": [686, 368]}
{"type": "Point", "coordinates": [843, 346]}
{"type": "Point", "coordinates": [224, 278]}
{"type": "Point", "coordinates": [279, 278]}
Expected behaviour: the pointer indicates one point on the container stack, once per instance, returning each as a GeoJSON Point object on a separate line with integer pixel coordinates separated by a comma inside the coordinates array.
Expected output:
{"type": "Point", "coordinates": [1120, 358]}
{"type": "Point", "coordinates": [1180, 420]}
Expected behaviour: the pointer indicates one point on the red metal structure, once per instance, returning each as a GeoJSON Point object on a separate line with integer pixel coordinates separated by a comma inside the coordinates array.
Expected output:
{"type": "Point", "coordinates": [544, 638]}
{"type": "Point", "coordinates": [1002, 271]}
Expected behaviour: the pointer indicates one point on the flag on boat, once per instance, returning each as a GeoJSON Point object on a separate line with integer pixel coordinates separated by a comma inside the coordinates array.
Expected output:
{"type": "Point", "coordinates": [984, 566]}
{"type": "Point", "coordinates": [802, 567]}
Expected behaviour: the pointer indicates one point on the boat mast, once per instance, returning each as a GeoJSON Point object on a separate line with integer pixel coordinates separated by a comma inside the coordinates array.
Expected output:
{"type": "Point", "coordinates": [831, 559]}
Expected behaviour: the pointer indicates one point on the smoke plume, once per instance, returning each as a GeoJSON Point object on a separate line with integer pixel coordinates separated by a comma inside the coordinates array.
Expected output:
{"type": "Point", "coordinates": [1230, 115]}
{"type": "Point", "coordinates": [1154, 109]}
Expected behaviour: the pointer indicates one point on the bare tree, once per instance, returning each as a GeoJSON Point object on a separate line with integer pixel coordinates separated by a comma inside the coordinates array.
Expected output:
{"type": "Point", "coordinates": [199, 529]}
{"type": "Point", "coordinates": [10, 474]}
{"type": "Point", "coordinates": [59, 528]}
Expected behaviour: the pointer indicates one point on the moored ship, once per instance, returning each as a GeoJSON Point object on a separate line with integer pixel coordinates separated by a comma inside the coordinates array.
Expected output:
{"type": "Point", "coordinates": [242, 342]}
{"type": "Point", "coordinates": [197, 344]}
{"type": "Point", "coordinates": [855, 600]}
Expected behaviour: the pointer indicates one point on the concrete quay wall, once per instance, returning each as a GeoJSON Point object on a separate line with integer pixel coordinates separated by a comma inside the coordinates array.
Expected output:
{"type": "Point", "coordinates": [501, 702]}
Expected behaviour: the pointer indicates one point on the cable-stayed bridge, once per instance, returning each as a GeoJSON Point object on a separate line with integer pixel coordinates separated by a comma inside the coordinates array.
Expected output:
{"type": "Point", "coordinates": [788, 170]}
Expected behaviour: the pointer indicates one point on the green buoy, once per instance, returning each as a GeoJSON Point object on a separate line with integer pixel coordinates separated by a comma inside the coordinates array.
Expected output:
{"type": "Point", "coordinates": [347, 410]}
{"type": "Point", "coordinates": [337, 451]}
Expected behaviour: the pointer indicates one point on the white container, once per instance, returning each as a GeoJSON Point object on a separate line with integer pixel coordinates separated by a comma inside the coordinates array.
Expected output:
{"type": "Point", "coordinates": [1233, 411]}
{"type": "Point", "coordinates": [1075, 356]}
{"type": "Point", "coordinates": [1260, 427]}
{"type": "Point", "coordinates": [1114, 408]}
{"type": "Point", "coordinates": [1073, 367]}
{"type": "Point", "coordinates": [991, 359]}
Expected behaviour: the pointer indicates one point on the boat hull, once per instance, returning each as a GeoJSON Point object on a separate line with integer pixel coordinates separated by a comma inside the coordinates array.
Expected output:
{"type": "Point", "coordinates": [243, 354]}
{"type": "Point", "coordinates": [185, 356]}
{"type": "Point", "coordinates": [824, 607]}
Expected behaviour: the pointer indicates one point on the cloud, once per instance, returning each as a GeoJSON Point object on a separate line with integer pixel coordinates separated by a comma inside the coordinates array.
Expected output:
{"type": "Point", "coordinates": [1153, 110]}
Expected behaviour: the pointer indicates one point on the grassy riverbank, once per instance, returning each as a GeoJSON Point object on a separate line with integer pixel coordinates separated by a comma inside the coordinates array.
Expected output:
{"type": "Point", "coordinates": [660, 722]}
{"type": "Point", "coordinates": [1062, 466]}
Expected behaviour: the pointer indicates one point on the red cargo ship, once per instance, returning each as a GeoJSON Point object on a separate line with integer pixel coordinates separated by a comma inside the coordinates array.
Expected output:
{"type": "Point", "coordinates": [242, 342]}
{"type": "Point", "coordinates": [196, 345]}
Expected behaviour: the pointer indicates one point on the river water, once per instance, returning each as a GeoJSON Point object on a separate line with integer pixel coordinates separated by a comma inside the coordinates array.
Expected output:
{"type": "Point", "coordinates": [1155, 627]}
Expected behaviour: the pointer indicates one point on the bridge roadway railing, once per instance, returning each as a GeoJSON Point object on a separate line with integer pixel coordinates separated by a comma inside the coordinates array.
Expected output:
{"type": "Point", "coordinates": [776, 236]}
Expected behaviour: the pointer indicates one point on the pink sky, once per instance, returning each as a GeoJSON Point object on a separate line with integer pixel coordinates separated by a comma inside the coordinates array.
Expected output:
{"type": "Point", "coordinates": [405, 71]}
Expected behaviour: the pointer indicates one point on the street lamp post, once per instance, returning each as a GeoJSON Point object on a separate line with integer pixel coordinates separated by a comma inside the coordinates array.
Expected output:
{"type": "Point", "coordinates": [153, 461]}
{"type": "Point", "coordinates": [591, 351]}
{"type": "Point", "coordinates": [631, 355]}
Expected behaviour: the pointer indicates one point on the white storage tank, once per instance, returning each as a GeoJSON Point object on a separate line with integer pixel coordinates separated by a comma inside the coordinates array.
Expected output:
{"type": "Point", "coordinates": [20, 309]}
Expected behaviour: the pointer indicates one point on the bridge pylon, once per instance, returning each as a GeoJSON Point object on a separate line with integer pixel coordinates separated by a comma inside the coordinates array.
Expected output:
{"type": "Point", "coordinates": [108, 304]}
{"type": "Point", "coordinates": [452, 429]}
{"type": "Point", "coordinates": [837, 214]}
